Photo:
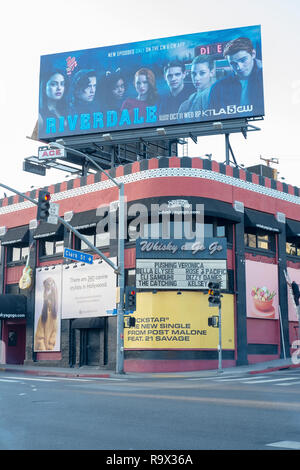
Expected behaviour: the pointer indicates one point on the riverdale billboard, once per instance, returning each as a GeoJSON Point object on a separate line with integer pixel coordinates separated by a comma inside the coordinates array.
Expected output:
{"type": "Point", "coordinates": [193, 78]}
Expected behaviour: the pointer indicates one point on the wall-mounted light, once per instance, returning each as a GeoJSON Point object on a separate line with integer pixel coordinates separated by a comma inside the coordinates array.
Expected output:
{"type": "Point", "coordinates": [161, 131]}
{"type": "Point", "coordinates": [218, 125]}
{"type": "Point", "coordinates": [107, 136]}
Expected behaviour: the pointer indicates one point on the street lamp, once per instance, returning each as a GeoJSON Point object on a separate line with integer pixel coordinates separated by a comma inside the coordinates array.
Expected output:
{"type": "Point", "coordinates": [121, 248]}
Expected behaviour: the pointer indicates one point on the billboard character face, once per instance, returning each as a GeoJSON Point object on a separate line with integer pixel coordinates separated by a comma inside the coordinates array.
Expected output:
{"type": "Point", "coordinates": [55, 87]}
{"type": "Point", "coordinates": [145, 85]}
{"type": "Point", "coordinates": [53, 90]}
{"type": "Point", "coordinates": [202, 73]}
{"type": "Point", "coordinates": [241, 57]}
{"type": "Point", "coordinates": [175, 75]}
{"type": "Point", "coordinates": [119, 89]}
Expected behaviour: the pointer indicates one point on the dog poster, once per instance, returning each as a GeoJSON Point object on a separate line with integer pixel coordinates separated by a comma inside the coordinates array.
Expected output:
{"type": "Point", "coordinates": [47, 322]}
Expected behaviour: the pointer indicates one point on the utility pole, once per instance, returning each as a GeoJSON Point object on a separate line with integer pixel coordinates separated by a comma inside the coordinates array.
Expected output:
{"type": "Point", "coordinates": [214, 300]}
{"type": "Point", "coordinates": [121, 251]}
{"type": "Point", "coordinates": [220, 339]}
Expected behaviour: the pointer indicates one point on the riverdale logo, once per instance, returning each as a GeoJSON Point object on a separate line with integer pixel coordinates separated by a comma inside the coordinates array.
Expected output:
{"type": "Point", "coordinates": [177, 80]}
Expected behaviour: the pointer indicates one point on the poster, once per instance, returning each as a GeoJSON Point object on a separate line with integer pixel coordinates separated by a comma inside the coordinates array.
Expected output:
{"type": "Point", "coordinates": [262, 290]}
{"type": "Point", "coordinates": [47, 319]}
{"type": "Point", "coordinates": [192, 78]}
{"type": "Point", "coordinates": [88, 291]}
{"type": "Point", "coordinates": [166, 320]}
{"type": "Point", "coordinates": [294, 275]}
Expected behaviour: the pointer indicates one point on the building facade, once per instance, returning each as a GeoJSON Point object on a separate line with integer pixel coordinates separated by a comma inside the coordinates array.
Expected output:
{"type": "Point", "coordinates": [259, 218]}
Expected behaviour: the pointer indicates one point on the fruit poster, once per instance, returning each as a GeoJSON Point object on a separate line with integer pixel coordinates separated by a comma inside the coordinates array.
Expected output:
{"type": "Point", "coordinates": [262, 290]}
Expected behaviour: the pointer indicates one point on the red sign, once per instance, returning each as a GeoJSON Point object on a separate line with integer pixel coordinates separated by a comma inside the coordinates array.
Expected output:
{"type": "Point", "coordinates": [46, 154]}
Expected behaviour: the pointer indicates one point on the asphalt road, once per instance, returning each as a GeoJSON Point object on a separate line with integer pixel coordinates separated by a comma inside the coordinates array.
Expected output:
{"type": "Point", "coordinates": [251, 412]}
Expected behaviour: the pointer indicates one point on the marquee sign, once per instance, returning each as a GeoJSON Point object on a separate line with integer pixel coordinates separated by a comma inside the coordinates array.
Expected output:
{"type": "Point", "coordinates": [180, 264]}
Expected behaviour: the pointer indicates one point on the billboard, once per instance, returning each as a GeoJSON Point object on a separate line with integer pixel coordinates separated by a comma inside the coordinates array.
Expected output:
{"type": "Point", "coordinates": [192, 78]}
{"type": "Point", "coordinates": [88, 291]}
{"type": "Point", "coordinates": [168, 321]}
{"type": "Point", "coordinates": [262, 290]}
{"type": "Point", "coordinates": [47, 318]}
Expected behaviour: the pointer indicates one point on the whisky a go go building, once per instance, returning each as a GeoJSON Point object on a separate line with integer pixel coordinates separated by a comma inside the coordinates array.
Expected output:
{"type": "Point", "coordinates": [61, 312]}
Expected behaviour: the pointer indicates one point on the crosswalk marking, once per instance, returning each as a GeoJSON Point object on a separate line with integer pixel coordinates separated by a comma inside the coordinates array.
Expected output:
{"type": "Point", "coordinates": [272, 380]}
{"type": "Point", "coordinates": [31, 378]}
{"type": "Point", "coordinates": [8, 380]}
{"type": "Point", "coordinates": [240, 379]}
{"type": "Point", "coordinates": [286, 444]}
{"type": "Point", "coordinates": [211, 378]}
{"type": "Point", "coordinates": [286, 384]}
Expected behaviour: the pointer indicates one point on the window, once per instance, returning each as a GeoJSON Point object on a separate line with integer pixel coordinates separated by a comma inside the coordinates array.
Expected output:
{"type": "Point", "coordinates": [293, 248]}
{"type": "Point", "coordinates": [259, 240]}
{"type": "Point", "coordinates": [99, 240]}
{"type": "Point", "coordinates": [17, 253]}
{"type": "Point", "coordinates": [53, 247]}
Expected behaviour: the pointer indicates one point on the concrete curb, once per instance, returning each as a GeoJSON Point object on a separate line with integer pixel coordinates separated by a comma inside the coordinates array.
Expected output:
{"type": "Point", "coordinates": [43, 373]}
{"type": "Point", "coordinates": [273, 369]}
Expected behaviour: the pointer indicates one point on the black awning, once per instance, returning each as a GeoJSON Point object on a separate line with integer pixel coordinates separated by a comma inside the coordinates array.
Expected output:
{"type": "Point", "coordinates": [16, 235]}
{"type": "Point", "coordinates": [220, 209]}
{"type": "Point", "coordinates": [13, 306]}
{"type": "Point", "coordinates": [212, 207]}
{"type": "Point", "coordinates": [85, 220]}
{"type": "Point", "coordinates": [261, 220]}
{"type": "Point", "coordinates": [45, 230]}
{"type": "Point", "coordinates": [83, 323]}
{"type": "Point", "coordinates": [292, 228]}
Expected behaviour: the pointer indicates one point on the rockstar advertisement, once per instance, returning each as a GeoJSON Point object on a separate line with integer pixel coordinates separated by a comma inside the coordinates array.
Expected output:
{"type": "Point", "coordinates": [193, 78]}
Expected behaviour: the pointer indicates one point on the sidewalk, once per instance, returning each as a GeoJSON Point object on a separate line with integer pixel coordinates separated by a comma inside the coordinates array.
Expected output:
{"type": "Point", "coordinates": [96, 372]}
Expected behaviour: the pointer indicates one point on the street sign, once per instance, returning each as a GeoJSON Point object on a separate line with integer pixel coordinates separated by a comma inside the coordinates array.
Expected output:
{"type": "Point", "coordinates": [53, 213]}
{"type": "Point", "coordinates": [78, 256]}
{"type": "Point", "coordinates": [49, 154]}
{"type": "Point", "coordinates": [32, 168]}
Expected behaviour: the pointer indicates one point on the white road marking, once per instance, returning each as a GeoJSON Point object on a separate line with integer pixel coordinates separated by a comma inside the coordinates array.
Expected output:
{"type": "Point", "coordinates": [286, 385]}
{"type": "Point", "coordinates": [272, 380]}
{"type": "Point", "coordinates": [210, 378]}
{"type": "Point", "coordinates": [29, 378]}
{"type": "Point", "coordinates": [286, 444]}
{"type": "Point", "coordinates": [7, 380]}
{"type": "Point", "coordinates": [250, 379]}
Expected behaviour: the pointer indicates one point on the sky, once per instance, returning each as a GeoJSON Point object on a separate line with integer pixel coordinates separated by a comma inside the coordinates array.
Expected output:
{"type": "Point", "coordinates": [31, 28]}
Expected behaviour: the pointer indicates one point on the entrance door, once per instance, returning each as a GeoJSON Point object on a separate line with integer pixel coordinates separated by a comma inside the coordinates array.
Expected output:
{"type": "Point", "coordinates": [14, 339]}
{"type": "Point", "coordinates": [90, 347]}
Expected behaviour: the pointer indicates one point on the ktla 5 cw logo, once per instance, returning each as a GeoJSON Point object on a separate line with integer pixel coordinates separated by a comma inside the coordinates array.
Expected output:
{"type": "Point", "coordinates": [296, 354]}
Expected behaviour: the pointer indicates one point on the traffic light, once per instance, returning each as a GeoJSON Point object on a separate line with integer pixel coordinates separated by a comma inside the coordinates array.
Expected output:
{"type": "Point", "coordinates": [130, 299]}
{"type": "Point", "coordinates": [296, 292]}
{"type": "Point", "coordinates": [129, 321]}
{"type": "Point", "coordinates": [213, 321]}
{"type": "Point", "coordinates": [214, 293]}
{"type": "Point", "coordinates": [43, 205]}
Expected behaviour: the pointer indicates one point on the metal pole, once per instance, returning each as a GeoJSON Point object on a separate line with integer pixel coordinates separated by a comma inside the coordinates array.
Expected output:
{"type": "Point", "coordinates": [121, 249]}
{"type": "Point", "coordinates": [220, 341]}
{"type": "Point", "coordinates": [282, 335]}
{"type": "Point", "coordinates": [121, 283]}
{"type": "Point", "coordinates": [227, 149]}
